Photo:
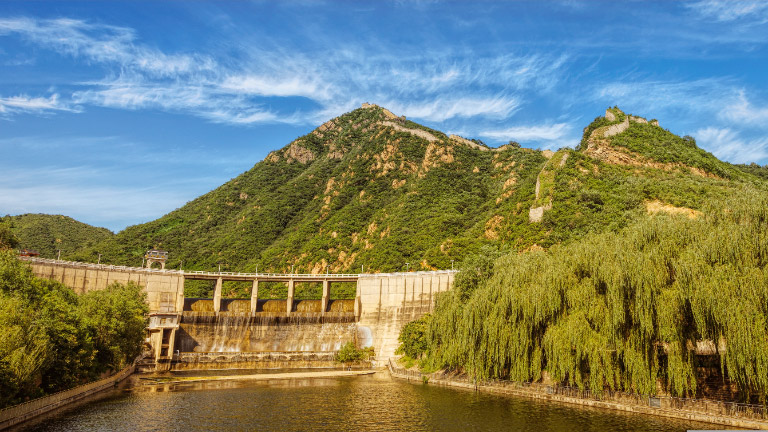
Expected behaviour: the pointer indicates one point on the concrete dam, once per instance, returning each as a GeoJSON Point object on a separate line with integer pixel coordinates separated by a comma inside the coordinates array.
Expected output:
{"type": "Point", "coordinates": [192, 333]}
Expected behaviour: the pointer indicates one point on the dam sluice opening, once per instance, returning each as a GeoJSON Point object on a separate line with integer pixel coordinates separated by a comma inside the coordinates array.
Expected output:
{"type": "Point", "coordinates": [304, 328]}
{"type": "Point", "coordinates": [270, 329]}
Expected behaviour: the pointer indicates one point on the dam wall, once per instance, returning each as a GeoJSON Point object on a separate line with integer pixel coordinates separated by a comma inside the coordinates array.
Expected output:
{"type": "Point", "coordinates": [164, 288]}
{"type": "Point", "coordinates": [388, 301]}
{"type": "Point", "coordinates": [383, 304]}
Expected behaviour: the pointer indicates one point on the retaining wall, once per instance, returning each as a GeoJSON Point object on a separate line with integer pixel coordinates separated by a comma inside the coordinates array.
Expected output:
{"type": "Point", "coordinates": [707, 411]}
{"type": "Point", "coordinates": [18, 414]}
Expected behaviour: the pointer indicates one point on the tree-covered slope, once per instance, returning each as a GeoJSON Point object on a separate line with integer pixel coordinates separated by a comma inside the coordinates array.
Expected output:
{"type": "Point", "coordinates": [638, 310]}
{"type": "Point", "coordinates": [375, 190]}
{"type": "Point", "coordinates": [48, 234]}
{"type": "Point", "coordinates": [364, 189]}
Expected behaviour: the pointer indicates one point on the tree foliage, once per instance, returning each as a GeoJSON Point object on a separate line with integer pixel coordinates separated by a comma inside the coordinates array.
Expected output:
{"type": "Point", "coordinates": [48, 234]}
{"type": "Point", "coordinates": [350, 353]}
{"type": "Point", "coordinates": [623, 310]}
{"type": "Point", "coordinates": [52, 339]}
{"type": "Point", "coordinates": [413, 337]}
{"type": "Point", "coordinates": [8, 239]}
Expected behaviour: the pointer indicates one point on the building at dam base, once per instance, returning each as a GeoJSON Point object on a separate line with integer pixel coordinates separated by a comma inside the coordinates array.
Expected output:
{"type": "Point", "coordinates": [383, 304]}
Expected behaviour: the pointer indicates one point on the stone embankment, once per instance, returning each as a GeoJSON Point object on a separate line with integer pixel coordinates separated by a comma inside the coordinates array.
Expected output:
{"type": "Point", "coordinates": [23, 412]}
{"type": "Point", "coordinates": [707, 411]}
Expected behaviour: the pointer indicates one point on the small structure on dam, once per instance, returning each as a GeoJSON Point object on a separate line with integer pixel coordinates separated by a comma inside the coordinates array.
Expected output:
{"type": "Point", "coordinates": [220, 330]}
{"type": "Point", "coordinates": [156, 256]}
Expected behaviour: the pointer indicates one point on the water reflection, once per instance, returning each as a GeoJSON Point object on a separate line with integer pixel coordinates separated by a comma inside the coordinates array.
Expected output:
{"type": "Point", "coordinates": [365, 403]}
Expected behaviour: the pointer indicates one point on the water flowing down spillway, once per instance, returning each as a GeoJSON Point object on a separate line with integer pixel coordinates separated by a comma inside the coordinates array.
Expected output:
{"type": "Point", "coordinates": [270, 329]}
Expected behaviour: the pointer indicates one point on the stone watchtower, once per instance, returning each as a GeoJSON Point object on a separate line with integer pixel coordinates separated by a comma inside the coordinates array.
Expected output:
{"type": "Point", "coordinates": [156, 256]}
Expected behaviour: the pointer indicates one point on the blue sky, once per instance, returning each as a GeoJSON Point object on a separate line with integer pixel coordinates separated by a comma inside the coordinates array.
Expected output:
{"type": "Point", "coordinates": [117, 113]}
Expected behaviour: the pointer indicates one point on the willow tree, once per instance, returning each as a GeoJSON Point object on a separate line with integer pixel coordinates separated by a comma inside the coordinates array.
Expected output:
{"type": "Point", "coordinates": [625, 310]}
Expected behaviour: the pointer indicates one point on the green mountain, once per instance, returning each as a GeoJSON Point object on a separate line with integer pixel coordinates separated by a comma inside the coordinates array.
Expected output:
{"type": "Point", "coordinates": [48, 234]}
{"type": "Point", "coordinates": [364, 189]}
{"type": "Point", "coordinates": [671, 304]}
{"type": "Point", "coordinates": [372, 189]}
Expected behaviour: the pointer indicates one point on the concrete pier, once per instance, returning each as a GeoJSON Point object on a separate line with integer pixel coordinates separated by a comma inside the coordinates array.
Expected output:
{"type": "Point", "coordinates": [254, 296]}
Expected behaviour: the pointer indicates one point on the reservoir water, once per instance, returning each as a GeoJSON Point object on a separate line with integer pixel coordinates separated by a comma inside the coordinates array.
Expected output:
{"type": "Point", "coordinates": [362, 403]}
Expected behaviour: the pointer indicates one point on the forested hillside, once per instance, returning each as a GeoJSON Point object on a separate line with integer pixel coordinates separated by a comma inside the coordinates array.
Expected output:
{"type": "Point", "coordinates": [372, 189]}
{"type": "Point", "coordinates": [48, 234]}
{"type": "Point", "coordinates": [670, 279]}
{"type": "Point", "coordinates": [637, 310]}
{"type": "Point", "coordinates": [364, 189]}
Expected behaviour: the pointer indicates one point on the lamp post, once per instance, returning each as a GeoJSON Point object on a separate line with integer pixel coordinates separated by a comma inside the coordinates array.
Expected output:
{"type": "Point", "coordinates": [406, 266]}
{"type": "Point", "coordinates": [451, 264]}
{"type": "Point", "coordinates": [292, 268]}
{"type": "Point", "coordinates": [327, 267]}
{"type": "Point", "coordinates": [99, 262]}
{"type": "Point", "coordinates": [58, 256]}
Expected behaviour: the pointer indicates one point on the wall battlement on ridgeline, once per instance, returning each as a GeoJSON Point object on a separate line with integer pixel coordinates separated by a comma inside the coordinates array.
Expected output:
{"type": "Point", "coordinates": [615, 129]}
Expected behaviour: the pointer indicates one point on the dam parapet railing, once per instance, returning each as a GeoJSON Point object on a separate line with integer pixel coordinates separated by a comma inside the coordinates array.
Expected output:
{"type": "Point", "coordinates": [17, 414]}
{"type": "Point", "coordinates": [702, 410]}
{"type": "Point", "coordinates": [78, 264]}
{"type": "Point", "coordinates": [193, 273]}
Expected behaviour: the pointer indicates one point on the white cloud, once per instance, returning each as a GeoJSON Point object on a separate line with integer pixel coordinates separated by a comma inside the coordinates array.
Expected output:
{"type": "Point", "coordinates": [23, 103]}
{"type": "Point", "coordinates": [731, 10]}
{"type": "Point", "coordinates": [726, 144]}
{"type": "Point", "coordinates": [103, 44]}
{"type": "Point", "coordinates": [742, 111]}
{"type": "Point", "coordinates": [434, 86]}
{"type": "Point", "coordinates": [276, 86]}
{"type": "Point", "coordinates": [706, 94]}
{"type": "Point", "coordinates": [551, 132]}
{"type": "Point", "coordinates": [443, 108]}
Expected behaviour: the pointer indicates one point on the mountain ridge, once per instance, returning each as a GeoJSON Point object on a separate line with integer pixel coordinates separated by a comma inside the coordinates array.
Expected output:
{"type": "Point", "coordinates": [372, 189]}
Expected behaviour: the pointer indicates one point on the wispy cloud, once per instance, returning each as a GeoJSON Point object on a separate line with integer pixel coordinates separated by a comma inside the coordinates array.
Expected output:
{"type": "Point", "coordinates": [731, 10]}
{"type": "Point", "coordinates": [530, 133]}
{"type": "Point", "coordinates": [653, 96]}
{"type": "Point", "coordinates": [436, 87]}
{"type": "Point", "coordinates": [27, 104]}
{"type": "Point", "coordinates": [104, 44]}
{"type": "Point", "coordinates": [726, 144]}
{"type": "Point", "coordinates": [743, 111]}
{"type": "Point", "coordinates": [442, 108]}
